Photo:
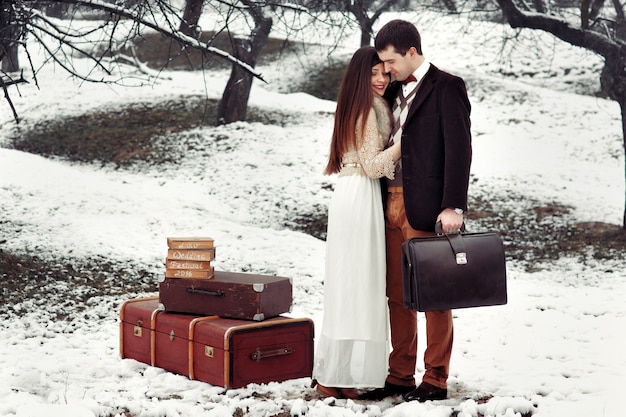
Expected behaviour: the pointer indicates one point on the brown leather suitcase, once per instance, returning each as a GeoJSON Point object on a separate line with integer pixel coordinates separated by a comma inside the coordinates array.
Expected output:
{"type": "Point", "coordinates": [137, 318]}
{"type": "Point", "coordinates": [228, 294]}
{"type": "Point", "coordinates": [224, 352]}
{"type": "Point", "coordinates": [234, 353]}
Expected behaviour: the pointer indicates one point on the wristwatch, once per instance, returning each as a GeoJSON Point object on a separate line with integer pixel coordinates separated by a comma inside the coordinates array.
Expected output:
{"type": "Point", "coordinates": [458, 211]}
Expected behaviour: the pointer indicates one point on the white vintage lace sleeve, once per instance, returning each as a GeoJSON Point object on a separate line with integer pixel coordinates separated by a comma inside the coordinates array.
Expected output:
{"type": "Point", "coordinates": [375, 160]}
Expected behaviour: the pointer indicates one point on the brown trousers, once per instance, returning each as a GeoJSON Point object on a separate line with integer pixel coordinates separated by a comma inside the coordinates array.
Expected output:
{"type": "Point", "coordinates": [439, 331]}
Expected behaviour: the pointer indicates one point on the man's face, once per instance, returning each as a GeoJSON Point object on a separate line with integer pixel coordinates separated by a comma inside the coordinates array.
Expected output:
{"type": "Point", "coordinates": [400, 66]}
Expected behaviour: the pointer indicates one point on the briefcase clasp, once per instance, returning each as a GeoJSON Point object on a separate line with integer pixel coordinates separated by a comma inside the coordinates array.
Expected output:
{"type": "Point", "coordinates": [461, 258]}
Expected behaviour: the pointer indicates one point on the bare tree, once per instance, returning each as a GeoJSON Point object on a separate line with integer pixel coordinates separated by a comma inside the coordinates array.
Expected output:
{"type": "Point", "coordinates": [9, 33]}
{"type": "Point", "coordinates": [260, 16]}
{"type": "Point", "coordinates": [63, 41]}
{"type": "Point", "coordinates": [234, 102]}
{"type": "Point", "coordinates": [367, 13]}
{"type": "Point", "coordinates": [189, 22]}
{"type": "Point", "coordinates": [599, 28]}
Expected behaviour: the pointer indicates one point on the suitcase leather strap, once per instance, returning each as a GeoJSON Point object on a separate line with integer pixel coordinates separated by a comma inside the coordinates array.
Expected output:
{"type": "Point", "coordinates": [456, 243]}
{"type": "Point", "coordinates": [205, 292]}
{"type": "Point", "coordinates": [458, 247]}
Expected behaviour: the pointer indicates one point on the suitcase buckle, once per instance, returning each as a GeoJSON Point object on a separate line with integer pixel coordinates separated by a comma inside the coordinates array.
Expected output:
{"type": "Point", "coordinates": [137, 330]}
{"type": "Point", "coordinates": [208, 351]}
{"type": "Point", "coordinates": [461, 258]}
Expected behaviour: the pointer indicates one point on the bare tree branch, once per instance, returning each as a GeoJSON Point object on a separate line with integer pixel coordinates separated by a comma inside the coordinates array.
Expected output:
{"type": "Point", "coordinates": [57, 34]}
{"type": "Point", "coordinates": [170, 32]}
{"type": "Point", "coordinates": [4, 84]}
{"type": "Point", "coordinates": [562, 29]}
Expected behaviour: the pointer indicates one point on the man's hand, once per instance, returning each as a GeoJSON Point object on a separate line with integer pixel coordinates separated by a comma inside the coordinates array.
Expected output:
{"type": "Point", "coordinates": [451, 221]}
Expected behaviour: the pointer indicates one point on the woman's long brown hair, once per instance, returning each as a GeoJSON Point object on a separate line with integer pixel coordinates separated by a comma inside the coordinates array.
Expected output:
{"type": "Point", "coordinates": [355, 100]}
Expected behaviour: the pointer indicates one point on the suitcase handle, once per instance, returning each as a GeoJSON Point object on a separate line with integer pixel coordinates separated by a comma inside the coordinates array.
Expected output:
{"type": "Point", "coordinates": [205, 292]}
{"type": "Point", "coordinates": [259, 354]}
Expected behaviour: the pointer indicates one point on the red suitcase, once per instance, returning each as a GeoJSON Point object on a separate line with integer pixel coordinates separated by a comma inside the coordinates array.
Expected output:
{"type": "Point", "coordinates": [229, 294]}
{"type": "Point", "coordinates": [235, 353]}
{"type": "Point", "coordinates": [223, 352]}
{"type": "Point", "coordinates": [136, 323]}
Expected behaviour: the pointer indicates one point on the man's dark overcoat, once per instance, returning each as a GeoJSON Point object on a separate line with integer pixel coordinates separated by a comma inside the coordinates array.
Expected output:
{"type": "Point", "coordinates": [436, 148]}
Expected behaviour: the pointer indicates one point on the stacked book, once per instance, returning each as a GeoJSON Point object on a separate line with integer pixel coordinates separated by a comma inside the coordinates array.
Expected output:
{"type": "Point", "coordinates": [190, 257]}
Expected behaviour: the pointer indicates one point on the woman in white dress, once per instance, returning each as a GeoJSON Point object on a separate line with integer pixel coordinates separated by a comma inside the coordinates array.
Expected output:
{"type": "Point", "coordinates": [353, 343]}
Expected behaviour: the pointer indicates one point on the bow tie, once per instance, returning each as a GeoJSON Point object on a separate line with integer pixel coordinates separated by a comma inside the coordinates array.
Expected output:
{"type": "Point", "coordinates": [409, 79]}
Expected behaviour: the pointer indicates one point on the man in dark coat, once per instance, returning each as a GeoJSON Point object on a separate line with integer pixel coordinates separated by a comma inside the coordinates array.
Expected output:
{"type": "Point", "coordinates": [432, 121]}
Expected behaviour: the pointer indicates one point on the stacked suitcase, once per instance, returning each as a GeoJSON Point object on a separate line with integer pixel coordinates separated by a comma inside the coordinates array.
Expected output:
{"type": "Point", "coordinates": [229, 330]}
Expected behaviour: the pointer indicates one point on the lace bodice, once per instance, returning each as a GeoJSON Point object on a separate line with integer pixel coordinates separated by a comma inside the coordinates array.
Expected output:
{"type": "Point", "coordinates": [371, 158]}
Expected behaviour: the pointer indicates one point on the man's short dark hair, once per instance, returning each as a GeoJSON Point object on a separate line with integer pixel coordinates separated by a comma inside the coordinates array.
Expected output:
{"type": "Point", "coordinates": [401, 35]}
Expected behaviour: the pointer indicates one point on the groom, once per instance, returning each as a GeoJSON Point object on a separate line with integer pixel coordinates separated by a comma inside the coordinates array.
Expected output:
{"type": "Point", "coordinates": [432, 121]}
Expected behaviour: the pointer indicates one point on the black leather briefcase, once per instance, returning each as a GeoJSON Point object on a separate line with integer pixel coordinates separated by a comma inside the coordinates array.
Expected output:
{"type": "Point", "coordinates": [457, 270]}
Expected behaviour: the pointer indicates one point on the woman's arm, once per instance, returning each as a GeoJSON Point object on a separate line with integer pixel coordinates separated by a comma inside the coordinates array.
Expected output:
{"type": "Point", "coordinates": [376, 161]}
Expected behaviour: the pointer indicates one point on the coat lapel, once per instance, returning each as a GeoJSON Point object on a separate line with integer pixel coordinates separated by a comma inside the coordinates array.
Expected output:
{"type": "Point", "coordinates": [427, 86]}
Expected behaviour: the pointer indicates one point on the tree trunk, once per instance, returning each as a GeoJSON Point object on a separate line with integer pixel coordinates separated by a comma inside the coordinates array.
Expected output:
{"type": "Point", "coordinates": [613, 82]}
{"type": "Point", "coordinates": [451, 6]}
{"type": "Point", "coordinates": [366, 32]}
{"type": "Point", "coordinates": [10, 62]}
{"type": "Point", "coordinates": [234, 102]}
{"type": "Point", "coordinates": [359, 9]}
{"type": "Point", "coordinates": [9, 37]}
{"type": "Point", "coordinates": [191, 15]}
{"type": "Point", "coordinates": [622, 108]}
{"type": "Point", "coordinates": [366, 13]}
{"type": "Point", "coordinates": [58, 10]}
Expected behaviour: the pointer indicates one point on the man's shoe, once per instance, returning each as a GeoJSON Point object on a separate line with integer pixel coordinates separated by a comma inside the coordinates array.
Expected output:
{"type": "Point", "coordinates": [389, 390]}
{"type": "Point", "coordinates": [426, 392]}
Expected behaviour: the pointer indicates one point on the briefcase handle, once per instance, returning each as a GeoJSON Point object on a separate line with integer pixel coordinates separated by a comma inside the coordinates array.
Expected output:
{"type": "Point", "coordinates": [456, 243]}
{"type": "Point", "coordinates": [439, 228]}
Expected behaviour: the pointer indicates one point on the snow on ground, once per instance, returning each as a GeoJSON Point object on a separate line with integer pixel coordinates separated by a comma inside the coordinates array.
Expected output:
{"type": "Point", "coordinates": [553, 350]}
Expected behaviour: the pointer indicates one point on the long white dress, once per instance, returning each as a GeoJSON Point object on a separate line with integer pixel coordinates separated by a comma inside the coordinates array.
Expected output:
{"type": "Point", "coordinates": [353, 343]}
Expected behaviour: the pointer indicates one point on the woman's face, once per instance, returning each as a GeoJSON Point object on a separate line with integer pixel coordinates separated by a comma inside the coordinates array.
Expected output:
{"type": "Point", "coordinates": [380, 79]}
